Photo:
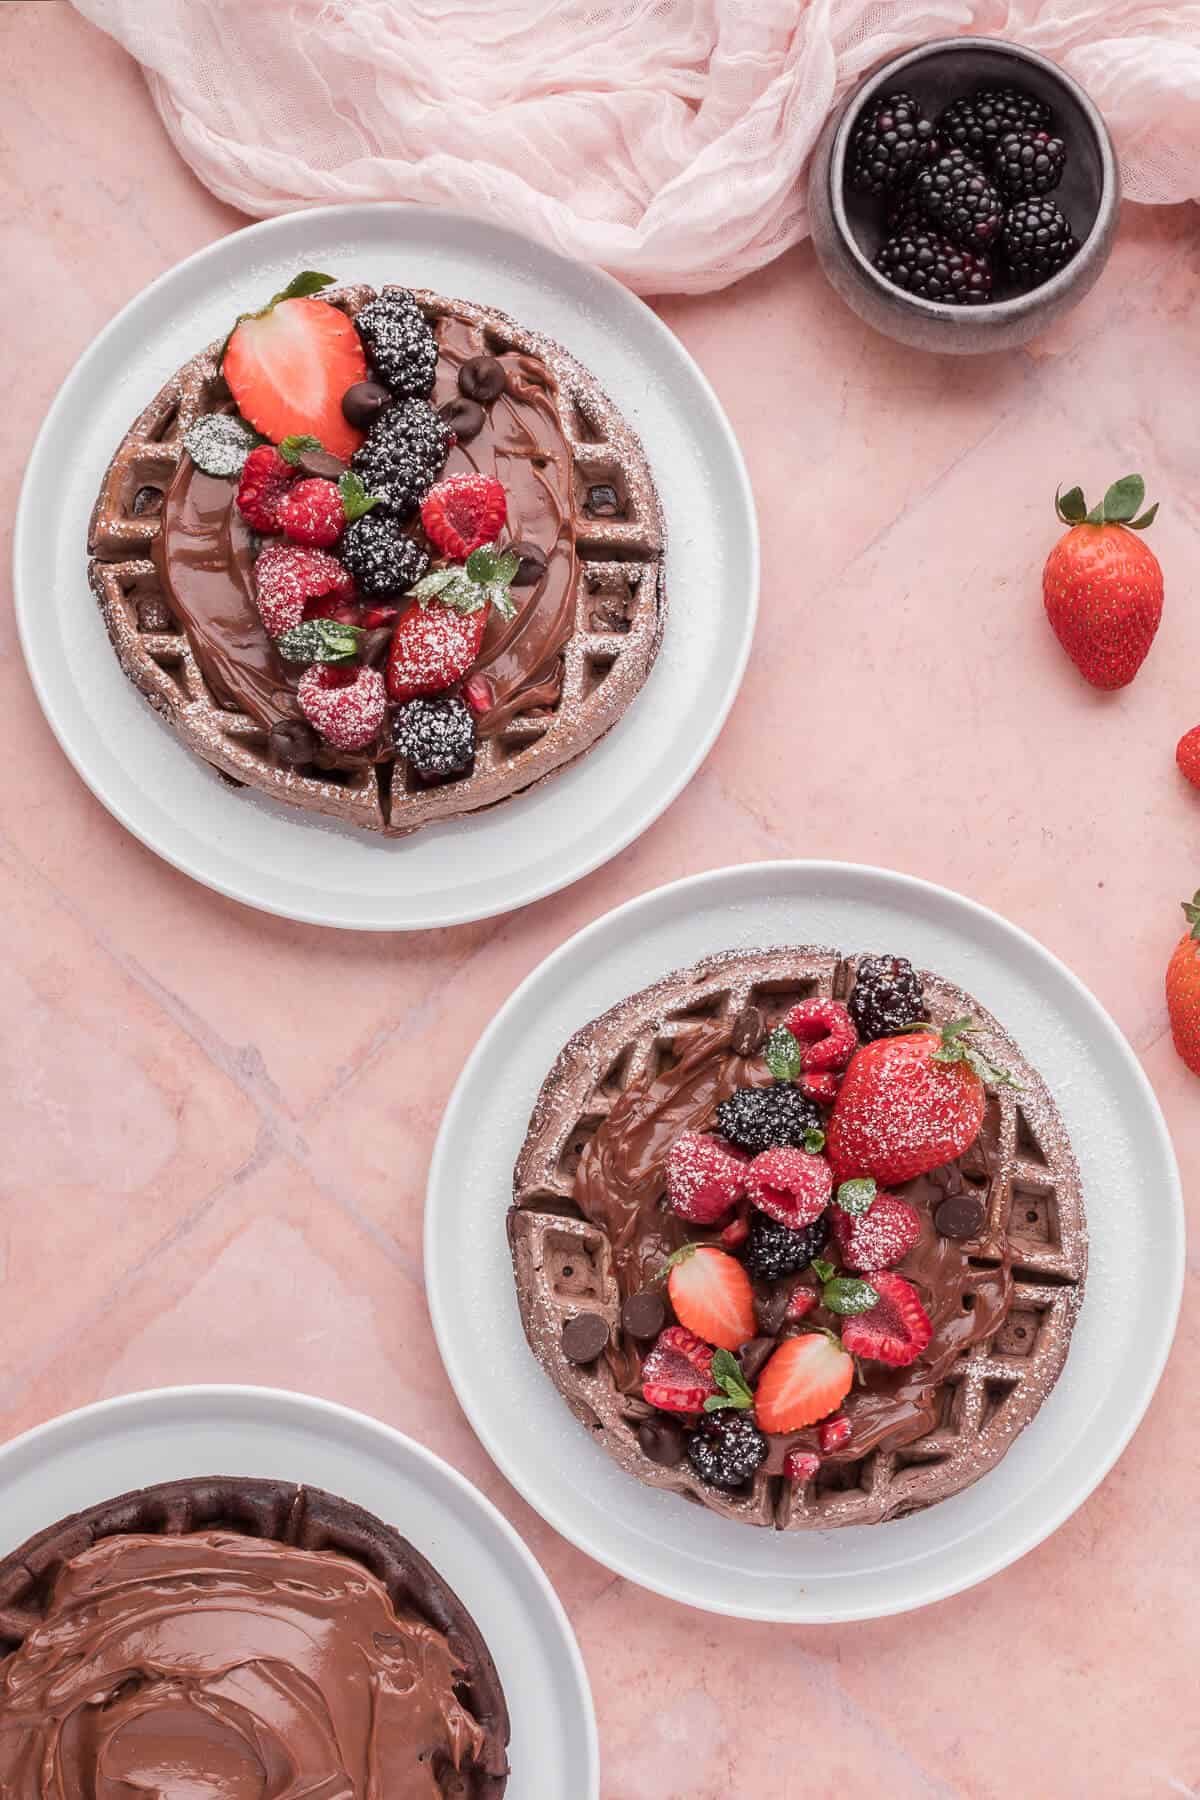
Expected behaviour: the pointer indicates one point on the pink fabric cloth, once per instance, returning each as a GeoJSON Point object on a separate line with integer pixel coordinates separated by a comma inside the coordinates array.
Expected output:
{"type": "Point", "coordinates": [663, 139]}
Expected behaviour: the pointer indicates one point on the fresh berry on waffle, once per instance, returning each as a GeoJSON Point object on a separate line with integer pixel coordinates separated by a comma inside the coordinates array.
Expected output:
{"type": "Point", "coordinates": [358, 501]}
{"type": "Point", "coordinates": [799, 1235]}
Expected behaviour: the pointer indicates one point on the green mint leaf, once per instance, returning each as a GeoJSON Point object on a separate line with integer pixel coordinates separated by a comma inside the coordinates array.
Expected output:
{"type": "Point", "coordinates": [496, 594]}
{"type": "Point", "coordinates": [717, 1402]}
{"type": "Point", "coordinates": [783, 1055]}
{"type": "Point", "coordinates": [727, 1373]}
{"type": "Point", "coordinates": [846, 1296]}
{"type": "Point", "coordinates": [814, 1140]}
{"type": "Point", "coordinates": [482, 564]}
{"type": "Point", "coordinates": [295, 444]}
{"type": "Point", "coordinates": [320, 641]}
{"type": "Point", "coordinates": [856, 1197]}
{"type": "Point", "coordinates": [219, 443]}
{"type": "Point", "coordinates": [1071, 507]}
{"type": "Point", "coordinates": [1147, 518]}
{"type": "Point", "coordinates": [355, 499]}
{"type": "Point", "coordinates": [824, 1271]}
{"type": "Point", "coordinates": [507, 567]}
{"type": "Point", "coordinates": [1123, 499]}
{"type": "Point", "coordinates": [307, 282]}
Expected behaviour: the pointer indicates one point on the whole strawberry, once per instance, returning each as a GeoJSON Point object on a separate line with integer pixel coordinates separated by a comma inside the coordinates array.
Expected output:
{"type": "Point", "coordinates": [908, 1104]}
{"type": "Point", "coordinates": [440, 635]}
{"type": "Point", "coordinates": [1183, 988]}
{"type": "Point", "coordinates": [1102, 586]}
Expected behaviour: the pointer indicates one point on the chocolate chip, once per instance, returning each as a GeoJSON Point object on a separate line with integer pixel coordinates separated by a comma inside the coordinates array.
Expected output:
{"type": "Point", "coordinates": [152, 615]}
{"type": "Point", "coordinates": [466, 418]}
{"type": "Point", "coordinates": [754, 1355]}
{"type": "Point", "coordinates": [292, 742]}
{"type": "Point", "coordinates": [320, 464]}
{"type": "Point", "coordinates": [363, 403]}
{"type": "Point", "coordinates": [603, 501]}
{"type": "Point", "coordinates": [482, 378]}
{"type": "Point", "coordinates": [960, 1216]}
{"type": "Point", "coordinates": [531, 564]}
{"type": "Point", "coordinates": [584, 1337]}
{"type": "Point", "coordinates": [661, 1441]}
{"type": "Point", "coordinates": [748, 1033]}
{"type": "Point", "coordinates": [147, 500]}
{"type": "Point", "coordinates": [643, 1315]}
{"type": "Point", "coordinates": [377, 643]}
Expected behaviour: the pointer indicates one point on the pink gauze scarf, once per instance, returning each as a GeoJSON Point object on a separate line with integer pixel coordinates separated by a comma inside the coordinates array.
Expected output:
{"type": "Point", "coordinates": [664, 139]}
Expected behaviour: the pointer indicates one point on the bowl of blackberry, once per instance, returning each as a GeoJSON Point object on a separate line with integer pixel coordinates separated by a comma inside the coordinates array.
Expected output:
{"type": "Point", "coordinates": [964, 195]}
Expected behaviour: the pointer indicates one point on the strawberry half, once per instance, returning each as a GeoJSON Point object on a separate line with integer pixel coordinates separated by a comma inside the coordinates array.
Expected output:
{"type": "Point", "coordinates": [463, 513]}
{"type": "Point", "coordinates": [712, 1296]}
{"type": "Point", "coordinates": [705, 1178]}
{"type": "Point", "coordinates": [677, 1374]}
{"type": "Point", "coordinates": [289, 365]}
{"type": "Point", "coordinates": [877, 1239]}
{"type": "Point", "coordinates": [896, 1330]}
{"type": "Point", "coordinates": [793, 1187]}
{"type": "Point", "coordinates": [807, 1378]}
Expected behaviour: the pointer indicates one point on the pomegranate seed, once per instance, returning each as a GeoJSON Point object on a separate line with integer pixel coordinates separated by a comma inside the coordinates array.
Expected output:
{"type": "Point", "coordinates": [833, 1432]}
{"type": "Point", "coordinates": [800, 1465]}
{"type": "Point", "coordinates": [479, 693]}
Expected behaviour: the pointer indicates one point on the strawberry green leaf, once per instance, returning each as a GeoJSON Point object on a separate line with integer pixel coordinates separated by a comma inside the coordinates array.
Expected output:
{"type": "Point", "coordinates": [1123, 499]}
{"type": "Point", "coordinates": [292, 447]}
{"type": "Point", "coordinates": [1191, 912]}
{"type": "Point", "coordinates": [355, 499]}
{"type": "Point", "coordinates": [307, 282]}
{"type": "Point", "coordinates": [856, 1197]}
{"type": "Point", "coordinates": [320, 641]}
{"type": "Point", "coordinates": [1071, 507]}
{"type": "Point", "coordinates": [718, 1402]}
{"type": "Point", "coordinates": [783, 1055]}
{"type": "Point", "coordinates": [1147, 518]}
{"type": "Point", "coordinates": [845, 1295]}
{"type": "Point", "coordinates": [956, 1048]}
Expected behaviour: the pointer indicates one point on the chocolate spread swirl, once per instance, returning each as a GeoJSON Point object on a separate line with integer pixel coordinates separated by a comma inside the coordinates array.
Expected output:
{"type": "Point", "coordinates": [204, 553]}
{"type": "Point", "coordinates": [219, 1667]}
{"type": "Point", "coordinates": [620, 1187]}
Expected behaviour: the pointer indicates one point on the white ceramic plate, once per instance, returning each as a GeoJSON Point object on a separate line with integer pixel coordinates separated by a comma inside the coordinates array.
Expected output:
{"type": "Point", "coordinates": [258, 851]}
{"type": "Point", "coordinates": [165, 1435]}
{"type": "Point", "coordinates": [1120, 1344]}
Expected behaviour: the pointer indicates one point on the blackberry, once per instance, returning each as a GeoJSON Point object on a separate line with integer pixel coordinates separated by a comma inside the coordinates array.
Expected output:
{"type": "Point", "coordinates": [435, 737]}
{"type": "Point", "coordinates": [976, 123]}
{"type": "Point", "coordinates": [382, 559]}
{"type": "Point", "coordinates": [726, 1448]}
{"type": "Point", "coordinates": [1028, 162]}
{"type": "Point", "coordinates": [933, 268]}
{"type": "Point", "coordinates": [399, 344]}
{"type": "Point", "coordinates": [1038, 241]}
{"type": "Point", "coordinates": [957, 197]}
{"type": "Point", "coordinates": [773, 1249]}
{"type": "Point", "coordinates": [903, 210]}
{"type": "Point", "coordinates": [761, 1118]}
{"type": "Point", "coordinates": [889, 138]}
{"type": "Point", "coordinates": [403, 455]}
{"type": "Point", "coordinates": [887, 996]}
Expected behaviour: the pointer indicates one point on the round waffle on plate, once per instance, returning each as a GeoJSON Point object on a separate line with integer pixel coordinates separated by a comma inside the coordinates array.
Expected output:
{"type": "Point", "coordinates": [171, 1666]}
{"type": "Point", "coordinates": [584, 639]}
{"type": "Point", "coordinates": [589, 1227]}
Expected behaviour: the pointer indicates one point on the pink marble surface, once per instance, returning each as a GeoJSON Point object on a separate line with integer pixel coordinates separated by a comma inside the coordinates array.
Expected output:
{"type": "Point", "coordinates": [178, 1187]}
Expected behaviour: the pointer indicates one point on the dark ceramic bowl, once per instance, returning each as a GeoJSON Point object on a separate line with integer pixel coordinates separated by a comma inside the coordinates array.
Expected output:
{"type": "Point", "coordinates": [848, 227]}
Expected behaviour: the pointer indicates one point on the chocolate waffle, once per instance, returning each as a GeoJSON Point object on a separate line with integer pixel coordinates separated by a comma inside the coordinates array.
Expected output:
{"type": "Point", "coordinates": [589, 1227]}
{"type": "Point", "coordinates": [138, 1688]}
{"type": "Point", "coordinates": [588, 645]}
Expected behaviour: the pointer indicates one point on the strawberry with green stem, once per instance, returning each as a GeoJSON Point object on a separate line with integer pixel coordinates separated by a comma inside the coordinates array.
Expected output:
{"type": "Point", "coordinates": [439, 636]}
{"type": "Point", "coordinates": [1102, 585]}
{"type": "Point", "coordinates": [1183, 988]}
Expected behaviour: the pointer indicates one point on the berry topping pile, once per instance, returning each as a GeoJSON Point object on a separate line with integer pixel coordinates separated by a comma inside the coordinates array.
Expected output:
{"type": "Point", "coordinates": [964, 195]}
{"type": "Point", "coordinates": [801, 1276]}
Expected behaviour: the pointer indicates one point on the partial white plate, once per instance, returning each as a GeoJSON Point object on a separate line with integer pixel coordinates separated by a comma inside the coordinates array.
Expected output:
{"type": "Point", "coordinates": [1135, 1274]}
{"type": "Point", "coordinates": [258, 851]}
{"type": "Point", "coordinates": [170, 1433]}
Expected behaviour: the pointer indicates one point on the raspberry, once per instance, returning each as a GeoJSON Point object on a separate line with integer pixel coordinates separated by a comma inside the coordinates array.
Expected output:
{"type": "Point", "coordinates": [463, 513]}
{"type": "Point", "coordinates": [348, 714]}
{"type": "Point", "coordinates": [705, 1178]}
{"type": "Point", "coordinates": [791, 1186]}
{"type": "Point", "coordinates": [266, 477]}
{"type": "Point", "coordinates": [878, 1238]}
{"type": "Point", "coordinates": [288, 576]}
{"type": "Point", "coordinates": [677, 1374]}
{"type": "Point", "coordinates": [826, 1030]}
{"type": "Point", "coordinates": [311, 512]}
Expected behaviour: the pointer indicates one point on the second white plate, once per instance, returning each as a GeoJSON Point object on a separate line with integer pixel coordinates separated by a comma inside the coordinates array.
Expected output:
{"type": "Point", "coordinates": [1135, 1273]}
{"type": "Point", "coordinates": [266, 854]}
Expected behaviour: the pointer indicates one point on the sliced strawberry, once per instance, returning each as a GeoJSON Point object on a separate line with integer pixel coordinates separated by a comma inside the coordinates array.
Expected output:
{"type": "Point", "coordinates": [896, 1330]}
{"type": "Point", "coordinates": [833, 1433]}
{"type": "Point", "coordinates": [287, 577]}
{"type": "Point", "coordinates": [705, 1178]}
{"type": "Point", "coordinates": [288, 368]}
{"type": "Point", "coordinates": [712, 1296]}
{"type": "Point", "coordinates": [807, 1378]}
{"type": "Point", "coordinates": [463, 513]}
{"type": "Point", "coordinates": [877, 1239]}
{"type": "Point", "coordinates": [266, 478]}
{"type": "Point", "coordinates": [801, 1302]}
{"type": "Point", "coordinates": [793, 1187]}
{"type": "Point", "coordinates": [348, 714]}
{"type": "Point", "coordinates": [677, 1374]}
{"type": "Point", "coordinates": [800, 1465]}
{"type": "Point", "coordinates": [432, 648]}
{"type": "Point", "coordinates": [826, 1031]}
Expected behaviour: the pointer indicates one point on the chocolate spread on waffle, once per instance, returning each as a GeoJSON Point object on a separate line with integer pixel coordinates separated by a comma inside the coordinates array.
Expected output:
{"type": "Point", "coordinates": [204, 554]}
